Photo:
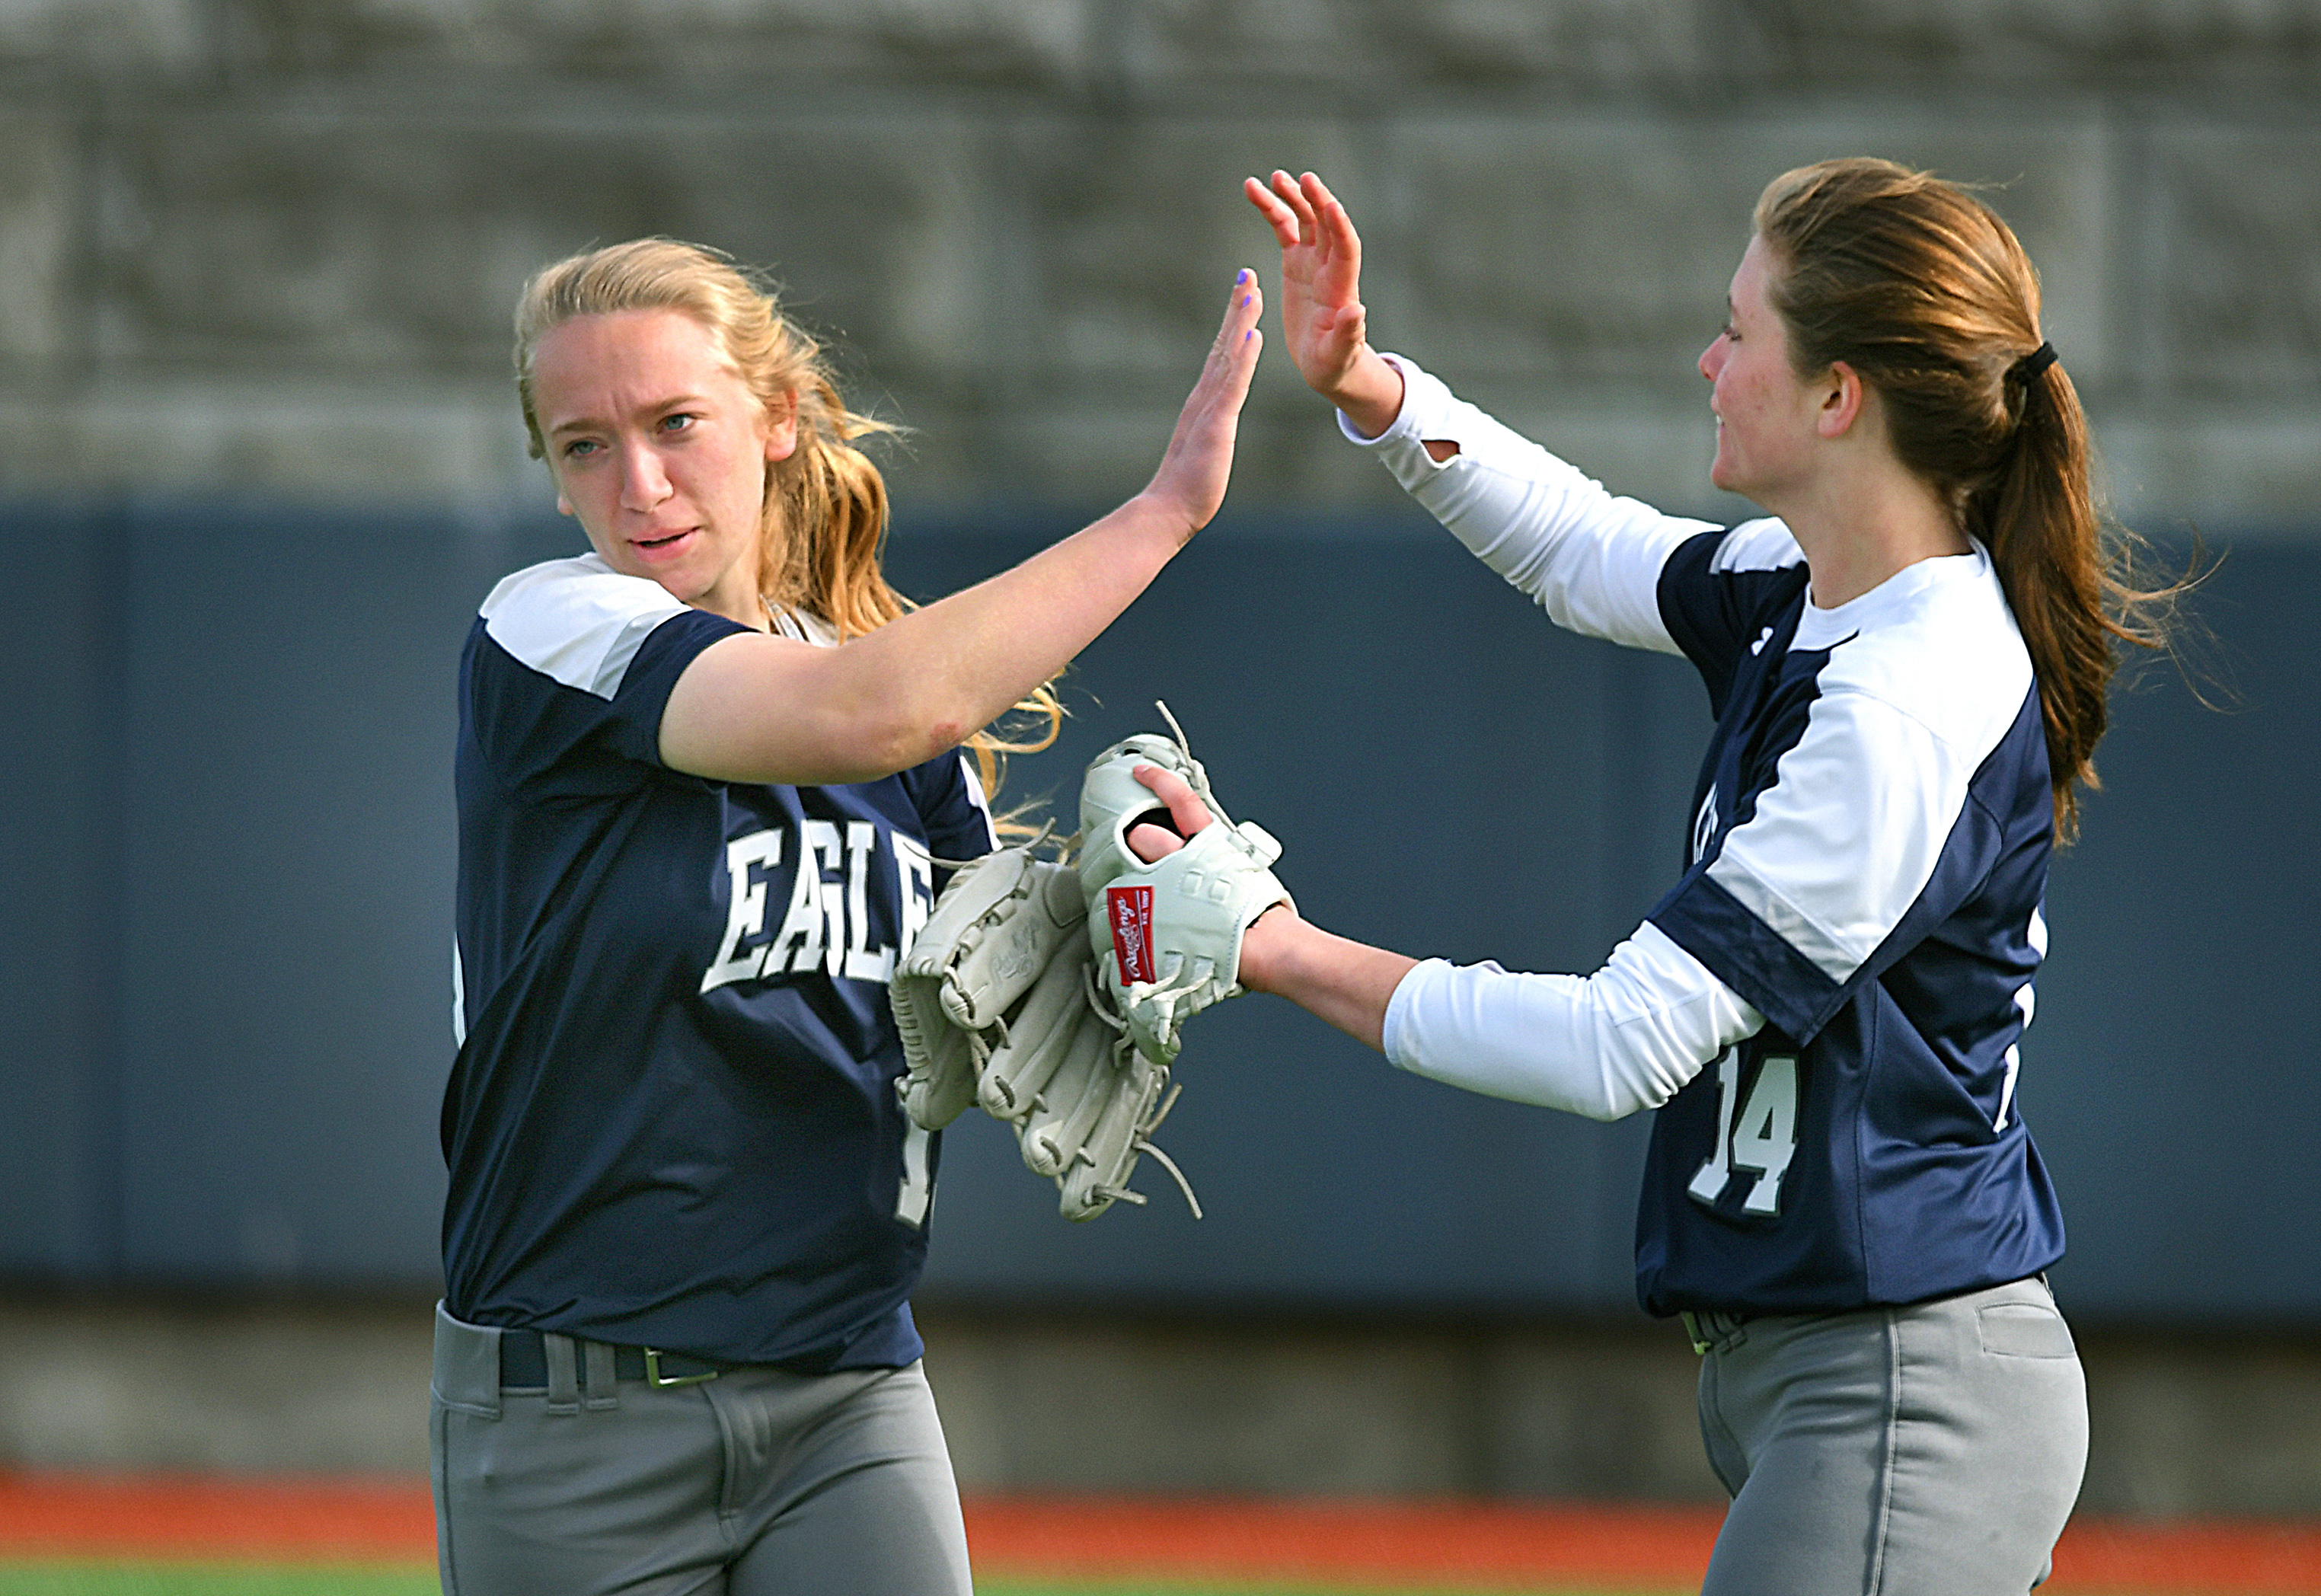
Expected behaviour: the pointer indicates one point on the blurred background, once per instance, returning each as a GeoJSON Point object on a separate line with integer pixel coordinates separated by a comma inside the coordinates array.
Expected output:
{"type": "Point", "coordinates": [256, 263]}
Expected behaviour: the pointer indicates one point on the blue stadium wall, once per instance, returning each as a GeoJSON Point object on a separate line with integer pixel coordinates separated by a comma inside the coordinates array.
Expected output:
{"type": "Point", "coordinates": [224, 929]}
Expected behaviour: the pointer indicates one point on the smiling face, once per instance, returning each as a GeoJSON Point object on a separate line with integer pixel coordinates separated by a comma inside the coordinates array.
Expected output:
{"type": "Point", "coordinates": [1766, 417]}
{"type": "Point", "coordinates": [659, 450]}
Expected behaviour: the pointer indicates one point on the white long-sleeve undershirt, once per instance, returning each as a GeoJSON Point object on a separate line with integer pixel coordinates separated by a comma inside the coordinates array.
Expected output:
{"type": "Point", "coordinates": [1590, 558]}
{"type": "Point", "coordinates": [1603, 1045]}
{"type": "Point", "coordinates": [1632, 1035]}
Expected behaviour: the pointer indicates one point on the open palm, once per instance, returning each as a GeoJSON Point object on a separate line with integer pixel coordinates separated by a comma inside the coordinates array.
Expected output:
{"type": "Point", "coordinates": [1321, 276]}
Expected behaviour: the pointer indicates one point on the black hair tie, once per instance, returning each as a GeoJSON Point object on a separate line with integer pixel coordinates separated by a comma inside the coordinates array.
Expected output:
{"type": "Point", "coordinates": [2036, 361]}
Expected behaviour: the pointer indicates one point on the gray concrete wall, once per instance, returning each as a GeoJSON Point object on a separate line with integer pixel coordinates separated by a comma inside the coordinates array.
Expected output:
{"type": "Point", "coordinates": [1509, 1408]}
{"type": "Point", "coordinates": [265, 249]}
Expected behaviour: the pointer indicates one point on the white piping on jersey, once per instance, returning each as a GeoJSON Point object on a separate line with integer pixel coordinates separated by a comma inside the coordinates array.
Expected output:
{"type": "Point", "coordinates": [979, 798]}
{"type": "Point", "coordinates": [577, 621]}
{"type": "Point", "coordinates": [1627, 1037]}
{"type": "Point", "coordinates": [1925, 675]}
{"type": "Point", "coordinates": [2026, 1004]}
{"type": "Point", "coordinates": [1766, 543]}
{"type": "Point", "coordinates": [1591, 560]}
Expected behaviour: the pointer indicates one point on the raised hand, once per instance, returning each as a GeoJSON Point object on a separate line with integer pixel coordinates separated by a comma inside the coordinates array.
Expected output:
{"type": "Point", "coordinates": [1321, 299]}
{"type": "Point", "coordinates": [1199, 461]}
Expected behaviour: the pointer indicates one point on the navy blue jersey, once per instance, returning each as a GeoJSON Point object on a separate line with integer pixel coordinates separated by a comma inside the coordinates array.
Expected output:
{"type": "Point", "coordinates": [1825, 1011]}
{"type": "Point", "coordinates": [672, 1121]}
{"type": "Point", "coordinates": [1866, 866]}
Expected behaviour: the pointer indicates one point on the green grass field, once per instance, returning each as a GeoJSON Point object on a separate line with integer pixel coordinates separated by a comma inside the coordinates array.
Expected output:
{"type": "Point", "coordinates": [62, 1535]}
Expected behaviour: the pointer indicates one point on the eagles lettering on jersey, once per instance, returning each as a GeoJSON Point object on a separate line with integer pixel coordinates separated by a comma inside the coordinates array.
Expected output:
{"type": "Point", "coordinates": [1866, 861]}
{"type": "Point", "coordinates": [826, 925]}
{"type": "Point", "coordinates": [672, 1121]}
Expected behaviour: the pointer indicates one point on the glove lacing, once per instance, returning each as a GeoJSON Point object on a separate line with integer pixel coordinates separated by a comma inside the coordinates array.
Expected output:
{"type": "Point", "coordinates": [1140, 1137]}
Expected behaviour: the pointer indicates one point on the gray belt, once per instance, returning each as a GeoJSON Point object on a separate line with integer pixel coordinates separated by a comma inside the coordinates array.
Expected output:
{"type": "Point", "coordinates": [1711, 1328]}
{"type": "Point", "coordinates": [524, 1362]}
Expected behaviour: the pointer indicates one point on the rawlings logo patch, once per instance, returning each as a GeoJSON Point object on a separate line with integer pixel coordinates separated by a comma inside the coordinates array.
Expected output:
{"type": "Point", "coordinates": [1129, 910]}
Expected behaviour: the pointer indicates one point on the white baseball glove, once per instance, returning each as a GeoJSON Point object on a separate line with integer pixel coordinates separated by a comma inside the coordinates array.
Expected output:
{"type": "Point", "coordinates": [1096, 1128]}
{"type": "Point", "coordinates": [1167, 936]}
{"type": "Point", "coordinates": [1084, 1102]}
{"type": "Point", "coordinates": [996, 1002]}
{"type": "Point", "coordinates": [998, 923]}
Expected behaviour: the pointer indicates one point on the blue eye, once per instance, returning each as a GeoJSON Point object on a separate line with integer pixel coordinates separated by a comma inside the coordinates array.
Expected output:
{"type": "Point", "coordinates": [677, 422]}
{"type": "Point", "coordinates": [579, 446]}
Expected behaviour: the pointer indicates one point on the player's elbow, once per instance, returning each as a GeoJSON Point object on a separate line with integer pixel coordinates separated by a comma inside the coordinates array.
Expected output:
{"type": "Point", "coordinates": [1640, 1060]}
{"type": "Point", "coordinates": [891, 736]}
{"type": "Point", "coordinates": [1610, 1094]}
{"type": "Point", "coordinates": [1623, 1097]}
{"type": "Point", "coordinates": [1607, 1108]}
{"type": "Point", "coordinates": [869, 723]}
{"type": "Point", "coordinates": [855, 752]}
{"type": "Point", "coordinates": [941, 736]}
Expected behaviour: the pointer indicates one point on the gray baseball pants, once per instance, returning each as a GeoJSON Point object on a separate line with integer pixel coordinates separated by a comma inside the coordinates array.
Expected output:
{"type": "Point", "coordinates": [1931, 1450]}
{"type": "Point", "coordinates": [759, 1482]}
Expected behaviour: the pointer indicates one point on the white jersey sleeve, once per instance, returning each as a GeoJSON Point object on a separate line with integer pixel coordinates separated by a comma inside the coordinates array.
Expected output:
{"type": "Point", "coordinates": [577, 621]}
{"type": "Point", "coordinates": [1869, 820]}
{"type": "Point", "coordinates": [1592, 561]}
{"type": "Point", "coordinates": [575, 664]}
{"type": "Point", "coordinates": [1627, 1037]}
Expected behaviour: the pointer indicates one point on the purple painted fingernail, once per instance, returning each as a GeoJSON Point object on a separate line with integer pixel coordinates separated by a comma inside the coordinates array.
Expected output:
{"type": "Point", "coordinates": [1244, 304]}
{"type": "Point", "coordinates": [1242, 276]}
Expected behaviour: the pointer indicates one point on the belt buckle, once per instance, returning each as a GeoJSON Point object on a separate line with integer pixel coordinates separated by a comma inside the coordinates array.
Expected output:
{"type": "Point", "coordinates": [666, 1382]}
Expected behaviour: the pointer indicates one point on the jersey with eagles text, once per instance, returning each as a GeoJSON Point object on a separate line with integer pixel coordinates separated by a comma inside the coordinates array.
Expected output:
{"type": "Point", "coordinates": [672, 1120]}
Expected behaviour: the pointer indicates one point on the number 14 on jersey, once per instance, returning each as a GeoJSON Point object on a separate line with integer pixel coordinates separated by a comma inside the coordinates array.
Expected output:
{"type": "Point", "coordinates": [1759, 1137]}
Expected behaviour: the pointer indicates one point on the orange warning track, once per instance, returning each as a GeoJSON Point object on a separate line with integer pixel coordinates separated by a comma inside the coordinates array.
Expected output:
{"type": "Point", "coordinates": [205, 1516]}
{"type": "Point", "coordinates": [1383, 1541]}
{"type": "Point", "coordinates": [1378, 1544]}
{"type": "Point", "coordinates": [1448, 1543]}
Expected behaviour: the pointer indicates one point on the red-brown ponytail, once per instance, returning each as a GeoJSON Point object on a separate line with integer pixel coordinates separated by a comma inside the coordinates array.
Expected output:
{"type": "Point", "coordinates": [1923, 290]}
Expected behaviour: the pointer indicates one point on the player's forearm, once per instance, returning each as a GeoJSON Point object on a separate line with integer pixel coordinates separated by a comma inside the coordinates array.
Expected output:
{"type": "Point", "coordinates": [1336, 979]}
{"type": "Point", "coordinates": [938, 674]}
{"type": "Point", "coordinates": [1591, 560]}
{"type": "Point", "coordinates": [1626, 1038]}
{"type": "Point", "coordinates": [926, 682]}
{"type": "Point", "coordinates": [753, 709]}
